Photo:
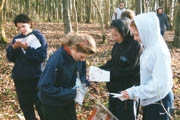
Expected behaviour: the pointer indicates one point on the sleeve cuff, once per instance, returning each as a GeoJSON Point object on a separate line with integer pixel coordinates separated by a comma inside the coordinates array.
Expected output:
{"type": "Point", "coordinates": [131, 92]}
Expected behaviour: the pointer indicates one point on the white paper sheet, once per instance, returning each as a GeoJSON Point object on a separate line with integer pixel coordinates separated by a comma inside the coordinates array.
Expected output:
{"type": "Point", "coordinates": [31, 40]}
{"type": "Point", "coordinates": [118, 95]}
{"type": "Point", "coordinates": [98, 75]}
{"type": "Point", "coordinates": [82, 89]}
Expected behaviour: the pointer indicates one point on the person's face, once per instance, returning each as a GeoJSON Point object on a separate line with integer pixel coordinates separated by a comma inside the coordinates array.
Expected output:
{"type": "Point", "coordinates": [135, 33]}
{"type": "Point", "coordinates": [160, 11]}
{"type": "Point", "coordinates": [121, 5]}
{"type": "Point", "coordinates": [24, 28]}
{"type": "Point", "coordinates": [116, 35]}
{"type": "Point", "coordinates": [78, 56]}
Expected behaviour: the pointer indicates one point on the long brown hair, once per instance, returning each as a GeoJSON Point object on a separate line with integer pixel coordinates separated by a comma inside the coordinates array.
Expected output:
{"type": "Point", "coordinates": [132, 24]}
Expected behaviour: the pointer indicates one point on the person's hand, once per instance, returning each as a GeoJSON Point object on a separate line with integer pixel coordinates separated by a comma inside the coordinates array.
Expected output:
{"type": "Point", "coordinates": [18, 44]}
{"type": "Point", "coordinates": [125, 94]}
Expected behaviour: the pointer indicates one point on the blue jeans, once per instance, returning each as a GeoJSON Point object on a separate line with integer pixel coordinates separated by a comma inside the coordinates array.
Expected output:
{"type": "Point", "coordinates": [156, 112]}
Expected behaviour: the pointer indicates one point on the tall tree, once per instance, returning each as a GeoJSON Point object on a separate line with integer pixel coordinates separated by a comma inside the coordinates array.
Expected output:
{"type": "Point", "coordinates": [102, 21]}
{"type": "Point", "coordinates": [107, 13]}
{"type": "Point", "coordinates": [75, 15]}
{"type": "Point", "coordinates": [27, 11]}
{"type": "Point", "coordinates": [2, 29]}
{"type": "Point", "coordinates": [66, 17]}
{"type": "Point", "coordinates": [88, 11]}
{"type": "Point", "coordinates": [138, 6]}
{"type": "Point", "coordinates": [176, 41]}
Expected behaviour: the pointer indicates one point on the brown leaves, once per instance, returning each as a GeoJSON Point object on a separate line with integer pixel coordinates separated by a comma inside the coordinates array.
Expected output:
{"type": "Point", "coordinates": [9, 108]}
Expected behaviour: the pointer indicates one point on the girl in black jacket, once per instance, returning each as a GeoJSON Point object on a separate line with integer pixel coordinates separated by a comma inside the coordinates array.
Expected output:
{"type": "Point", "coordinates": [124, 69]}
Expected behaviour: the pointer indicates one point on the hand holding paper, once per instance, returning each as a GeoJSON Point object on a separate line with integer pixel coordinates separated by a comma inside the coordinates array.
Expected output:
{"type": "Point", "coordinates": [98, 75]}
{"type": "Point", "coordinates": [31, 40]}
{"type": "Point", "coordinates": [117, 95]}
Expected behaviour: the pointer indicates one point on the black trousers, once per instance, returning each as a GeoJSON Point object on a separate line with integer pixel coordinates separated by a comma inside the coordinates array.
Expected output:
{"type": "Point", "coordinates": [156, 111]}
{"type": "Point", "coordinates": [66, 112]}
{"type": "Point", "coordinates": [27, 96]}
{"type": "Point", "coordinates": [123, 110]}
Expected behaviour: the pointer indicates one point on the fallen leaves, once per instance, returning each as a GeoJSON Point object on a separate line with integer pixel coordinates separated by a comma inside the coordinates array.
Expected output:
{"type": "Point", "coordinates": [97, 92]}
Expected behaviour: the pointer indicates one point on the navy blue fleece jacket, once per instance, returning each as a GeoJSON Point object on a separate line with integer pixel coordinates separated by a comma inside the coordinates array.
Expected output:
{"type": "Point", "coordinates": [59, 77]}
{"type": "Point", "coordinates": [28, 64]}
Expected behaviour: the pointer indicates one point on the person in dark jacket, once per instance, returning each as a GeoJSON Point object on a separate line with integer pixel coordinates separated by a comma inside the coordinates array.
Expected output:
{"type": "Point", "coordinates": [124, 69]}
{"type": "Point", "coordinates": [56, 86]}
{"type": "Point", "coordinates": [27, 51]}
{"type": "Point", "coordinates": [163, 20]}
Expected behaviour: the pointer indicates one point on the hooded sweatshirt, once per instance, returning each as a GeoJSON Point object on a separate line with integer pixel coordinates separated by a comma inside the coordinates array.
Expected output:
{"type": "Point", "coordinates": [155, 62]}
{"type": "Point", "coordinates": [124, 63]}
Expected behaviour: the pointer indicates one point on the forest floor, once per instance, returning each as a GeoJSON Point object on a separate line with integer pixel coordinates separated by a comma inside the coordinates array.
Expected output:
{"type": "Point", "coordinates": [9, 108]}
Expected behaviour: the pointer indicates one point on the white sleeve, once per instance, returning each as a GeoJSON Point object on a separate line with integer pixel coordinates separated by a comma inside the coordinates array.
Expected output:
{"type": "Point", "coordinates": [159, 82]}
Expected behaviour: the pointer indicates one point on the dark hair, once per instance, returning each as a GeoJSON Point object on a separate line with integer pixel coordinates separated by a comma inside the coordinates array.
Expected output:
{"type": "Point", "coordinates": [159, 9]}
{"type": "Point", "coordinates": [22, 18]}
{"type": "Point", "coordinates": [121, 2]}
{"type": "Point", "coordinates": [121, 27]}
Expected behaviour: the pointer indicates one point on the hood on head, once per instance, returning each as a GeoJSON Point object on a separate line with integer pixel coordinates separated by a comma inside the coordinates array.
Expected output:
{"type": "Point", "coordinates": [121, 27]}
{"type": "Point", "coordinates": [148, 28]}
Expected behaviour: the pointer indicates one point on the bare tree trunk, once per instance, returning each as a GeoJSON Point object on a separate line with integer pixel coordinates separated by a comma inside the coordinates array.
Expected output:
{"type": "Point", "coordinates": [2, 28]}
{"type": "Point", "coordinates": [75, 15]}
{"type": "Point", "coordinates": [107, 13]}
{"type": "Point", "coordinates": [49, 10]}
{"type": "Point", "coordinates": [102, 21]}
{"type": "Point", "coordinates": [27, 7]}
{"type": "Point", "coordinates": [138, 6]}
{"type": "Point", "coordinates": [172, 11]}
{"type": "Point", "coordinates": [80, 11]}
{"type": "Point", "coordinates": [88, 11]}
{"type": "Point", "coordinates": [166, 6]}
{"type": "Point", "coordinates": [176, 41]}
{"type": "Point", "coordinates": [143, 6]}
{"type": "Point", "coordinates": [66, 17]}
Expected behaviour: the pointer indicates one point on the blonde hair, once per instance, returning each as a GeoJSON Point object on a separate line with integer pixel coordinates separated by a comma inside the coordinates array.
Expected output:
{"type": "Point", "coordinates": [128, 14]}
{"type": "Point", "coordinates": [83, 42]}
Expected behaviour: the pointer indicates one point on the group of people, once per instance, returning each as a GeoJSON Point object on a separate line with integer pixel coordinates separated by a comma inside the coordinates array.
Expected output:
{"type": "Point", "coordinates": [163, 19]}
{"type": "Point", "coordinates": [140, 69]}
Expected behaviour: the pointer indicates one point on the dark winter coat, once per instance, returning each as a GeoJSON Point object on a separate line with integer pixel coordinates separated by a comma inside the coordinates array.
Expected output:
{"type": "Point", "coordinates": [56, 85]}
{"type": "Point", "coordinates": [163, 21]}
{"type": "Point", "coordinates": [28, 63]}
{"type": "Point", "coordinates": [124, 65]}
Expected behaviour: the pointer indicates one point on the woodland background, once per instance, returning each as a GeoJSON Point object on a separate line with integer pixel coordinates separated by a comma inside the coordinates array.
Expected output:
{"type": "Point", "coordinates": [55, 18]}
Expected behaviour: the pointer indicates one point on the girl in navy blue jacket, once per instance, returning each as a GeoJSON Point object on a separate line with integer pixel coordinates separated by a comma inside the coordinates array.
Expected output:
{"type": "Point", "coordinates": [27, 51]}
{"type": "Point", "coordinates": [56, 86]}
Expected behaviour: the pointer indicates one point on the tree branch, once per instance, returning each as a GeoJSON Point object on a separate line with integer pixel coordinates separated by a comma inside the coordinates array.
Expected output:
{"type": "Point", "coordinates": [2, 5]}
